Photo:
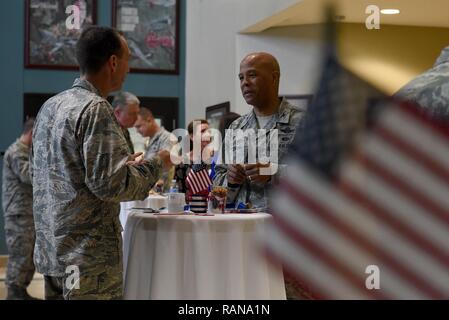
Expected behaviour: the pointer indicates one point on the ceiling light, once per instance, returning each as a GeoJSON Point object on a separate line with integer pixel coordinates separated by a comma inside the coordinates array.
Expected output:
{"type": "Point", "coordinates": [390, 11]}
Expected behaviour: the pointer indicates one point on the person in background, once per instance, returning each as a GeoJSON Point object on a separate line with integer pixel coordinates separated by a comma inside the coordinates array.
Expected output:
{"type": "Point", "coordinates": [81, 170]}
{"type": "Point", "coordinates": [126, 109]}
{"type": "Point", "coordinates": [182, 169]}
{"type": "Point", "coordinates": [192, 176]}
{"type": "Point", "coordinates": [17, 199]}
{"type": "Point", "coordinates": [259, 82]}
{"type": "Point", "coordinates": [159, 139]}
{"type": "Point", "coordinates": [429, 89]}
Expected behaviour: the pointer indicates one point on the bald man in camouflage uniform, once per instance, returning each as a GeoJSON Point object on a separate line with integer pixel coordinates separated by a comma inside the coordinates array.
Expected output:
{"type": "Point", "coordinates": [81, 171]}
{"type": "Point", "coordinates": [17, 200]}
{"type": "Point", "coordinates": [259, 82]}
{"type": "Point", "coordinates": [430, 90]}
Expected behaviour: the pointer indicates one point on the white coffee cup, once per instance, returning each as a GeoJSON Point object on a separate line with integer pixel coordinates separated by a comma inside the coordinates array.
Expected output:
{"type": "Point", "coordinates": [176, 202]}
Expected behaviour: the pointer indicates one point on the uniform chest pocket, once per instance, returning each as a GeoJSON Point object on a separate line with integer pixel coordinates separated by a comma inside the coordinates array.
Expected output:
{"type": "Point", "coordinates": [286, 133]}
{"type": "Point", "coordinates": [154, 148]}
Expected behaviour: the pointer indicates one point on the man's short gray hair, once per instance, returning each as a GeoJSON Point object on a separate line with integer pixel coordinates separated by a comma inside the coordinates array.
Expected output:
{"type": "Point", "coordinates": [123, 98]}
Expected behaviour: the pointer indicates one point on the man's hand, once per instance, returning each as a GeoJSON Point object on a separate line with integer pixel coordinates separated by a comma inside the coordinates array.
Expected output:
{"type": "Point", "coordinates": [252, 171]}
{"type": "Point", "coordinates": [135, 159]}
{"type": "Point", "coordinates": [159, 186]}
{"type": "Point", "coordinates": [236, 174]}
{"type": "Point", "coordinates": [164, 155]}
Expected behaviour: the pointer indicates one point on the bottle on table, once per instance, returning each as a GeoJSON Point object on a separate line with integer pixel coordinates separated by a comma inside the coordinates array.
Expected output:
{"type": "Point", "coordinates": [173, 187]}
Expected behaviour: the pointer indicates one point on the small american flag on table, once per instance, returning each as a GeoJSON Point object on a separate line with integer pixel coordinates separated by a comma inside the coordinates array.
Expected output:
{"type": "Point", "coordinates": [198, 179]}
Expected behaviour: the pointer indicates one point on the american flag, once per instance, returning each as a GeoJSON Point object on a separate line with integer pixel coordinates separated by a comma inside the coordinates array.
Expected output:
{"type": "Point", "coordinates": [363, 212]}
{"type": "Point", "coordinates": [198, 179]}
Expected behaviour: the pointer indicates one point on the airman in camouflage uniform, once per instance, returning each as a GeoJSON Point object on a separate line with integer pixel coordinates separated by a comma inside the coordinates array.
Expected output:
{"type": "Point", "coordinates": [259, 81]}
{"type": "Point", "coordinates": [430, 89]}
{"type": "Point", "coordinates": [159, 139]}
{"type": "Point", "coordinates": [259, 78]}
{"type": "Point", "coordinates": [81, 171]}
{"type": "Point", "coordinates": [126, 109]}
{"type": "Point", "coordinates": [162, 140]}
{"type": "Point", "coordinates": [17, 199]}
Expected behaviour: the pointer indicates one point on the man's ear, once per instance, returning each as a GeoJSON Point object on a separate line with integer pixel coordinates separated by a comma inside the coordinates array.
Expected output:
{"type": "Point", "coordinates": [276, 76]}
{"type": "Point", "coordinates": [113, 62]}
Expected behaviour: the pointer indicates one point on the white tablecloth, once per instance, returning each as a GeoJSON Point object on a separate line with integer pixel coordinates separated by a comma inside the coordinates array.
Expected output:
{"type": "Point", "coordinates": [198, 257]}
{"type": "Point", "coordinates": [153, 201]}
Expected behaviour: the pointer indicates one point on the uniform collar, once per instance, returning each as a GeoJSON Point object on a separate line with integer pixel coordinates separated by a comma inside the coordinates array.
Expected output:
{"type": "Point", "coordinates": [156, 136]}
{"type": "Point", "coordinates": [83, 83]}
{"type": "Point", "coordinates": [284, 112]}
{"type": "Point", "coordinates": [282, 116]}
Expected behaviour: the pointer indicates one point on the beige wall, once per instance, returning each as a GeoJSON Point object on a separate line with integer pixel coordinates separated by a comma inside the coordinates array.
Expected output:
{"type": "Point", "coordinates": [388, 58]}
{"type": "Point", "coordinates": [391, 56]}
{"type": "Point", "coordinates": [299, 52]}
{"type": "Point", "coordinates": [211, 66]}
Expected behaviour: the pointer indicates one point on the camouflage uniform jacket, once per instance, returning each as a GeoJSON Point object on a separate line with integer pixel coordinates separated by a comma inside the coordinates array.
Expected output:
{"type": "Point", "coordinates": [430, 89]}
{"type": "Point", "coordinates": [79, 174]}
{"type": "Point", "coordinates": [128, 140]}
{"type": "Point", "coordinates": [286, 121]}
{"type": "Point", "coordinates": [17, 192]}
{"type": "Point", "coordinates": [162, 140]}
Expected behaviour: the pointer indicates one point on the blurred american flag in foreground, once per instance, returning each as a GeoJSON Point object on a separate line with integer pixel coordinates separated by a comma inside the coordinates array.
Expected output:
{"type": "Point", "coordinates": [367, 185]}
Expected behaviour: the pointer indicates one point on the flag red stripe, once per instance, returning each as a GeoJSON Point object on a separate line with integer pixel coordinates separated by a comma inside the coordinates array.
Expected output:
{"type": "Point", "coordinates": [407, 147]}
{"type": "Point", "coordinates": [356, 281]}
{"type": "Point", "coordinates": [359, 240]}
{"type": "Point", "coordinates": [203, 177]}
{"type": "Point", "coordinates": [436, 125]}
{"type": "Point", "coordinates": [388, 218]}
{"type": "Point", "coordinates": [189, 184]}
{"type": "Point", "coordinates": [195, 179]}
{"type": "Point", "coordinates": [193, 184]}
{"type": "Point", "coordinates": [427, 204]}
{"type": "Point", "coordinates": [198, 181]}
{"type": "Point", "coordinates": [206, 177]}
{"type": "Point", "coordinates": [205, 180]}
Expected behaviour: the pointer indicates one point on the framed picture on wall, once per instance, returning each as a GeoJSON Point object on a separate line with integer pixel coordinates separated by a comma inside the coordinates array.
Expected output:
{"type": "Point", "coordinates": [151, 28]}
{"type": "Point", "coordinates": [52, 30]}
{"type": "Point", "coordinates": [302, 101]}
{"type": "Point", "coordinates": [215, 113]}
